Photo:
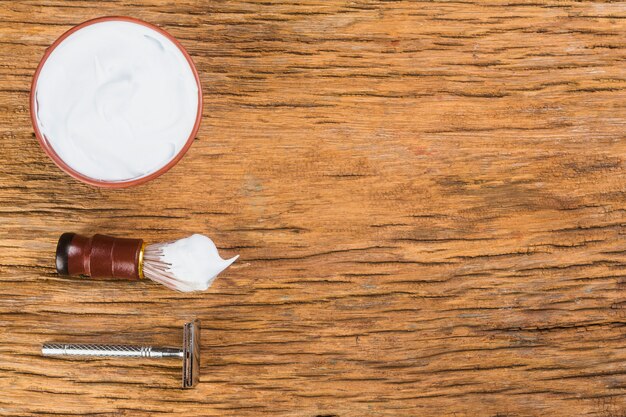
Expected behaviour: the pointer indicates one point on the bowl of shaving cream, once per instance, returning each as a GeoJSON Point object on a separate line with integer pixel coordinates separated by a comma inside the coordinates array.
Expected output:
{"type": "Point", "coordinates": [116, 102]}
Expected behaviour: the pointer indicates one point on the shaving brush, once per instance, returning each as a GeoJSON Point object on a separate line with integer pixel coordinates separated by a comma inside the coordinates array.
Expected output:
{"type": "Point", "coordinates": [189, 264]}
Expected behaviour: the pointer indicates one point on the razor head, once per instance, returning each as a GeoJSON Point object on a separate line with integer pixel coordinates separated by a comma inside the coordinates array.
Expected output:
{"type": "Point", "coordinates": [191, 354]}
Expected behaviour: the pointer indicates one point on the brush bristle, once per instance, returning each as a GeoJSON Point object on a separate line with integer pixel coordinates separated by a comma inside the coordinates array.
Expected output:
{"type": "Point", "coordinates": [189, 264]}
{"type": "Point", "coordinates": [158, 271]}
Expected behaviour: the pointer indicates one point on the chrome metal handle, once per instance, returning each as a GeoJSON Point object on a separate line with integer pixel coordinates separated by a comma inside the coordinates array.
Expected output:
{"type": "Point", "coordinates": [67, 349]}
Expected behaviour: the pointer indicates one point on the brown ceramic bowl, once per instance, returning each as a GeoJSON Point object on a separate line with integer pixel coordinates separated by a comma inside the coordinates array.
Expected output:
{"type": "Point", "coordinates": [92, 181]}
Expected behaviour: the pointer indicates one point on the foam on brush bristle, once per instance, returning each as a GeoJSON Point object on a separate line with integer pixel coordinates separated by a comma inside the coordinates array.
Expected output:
{"type": "Point", "coordinates": [189, 264]}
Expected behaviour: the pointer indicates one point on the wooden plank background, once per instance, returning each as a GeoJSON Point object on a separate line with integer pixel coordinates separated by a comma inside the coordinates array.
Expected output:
{"type": "Point", "coordinates": [429, 201]}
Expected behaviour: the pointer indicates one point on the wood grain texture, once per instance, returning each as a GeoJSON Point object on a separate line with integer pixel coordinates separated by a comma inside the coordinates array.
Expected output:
{"type": "Point", "coordinates": [429, 201]}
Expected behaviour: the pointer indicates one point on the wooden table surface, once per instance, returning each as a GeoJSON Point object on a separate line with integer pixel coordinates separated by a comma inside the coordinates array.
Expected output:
{"type": "Point", "coordinates": [429, 201]}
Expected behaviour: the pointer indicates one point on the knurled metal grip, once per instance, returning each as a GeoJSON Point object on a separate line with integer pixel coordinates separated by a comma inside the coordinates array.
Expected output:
{"type": "Point", "coordinates": [114, 351]}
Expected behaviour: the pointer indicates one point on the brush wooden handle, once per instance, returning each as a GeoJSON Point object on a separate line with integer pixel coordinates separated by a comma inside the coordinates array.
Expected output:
{"type": "Point", "coordinates": [99, 256]}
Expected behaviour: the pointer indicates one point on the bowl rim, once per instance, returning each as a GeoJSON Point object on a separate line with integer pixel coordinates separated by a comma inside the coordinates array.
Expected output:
{"type": "Point", "coordinates": [55, 157]}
